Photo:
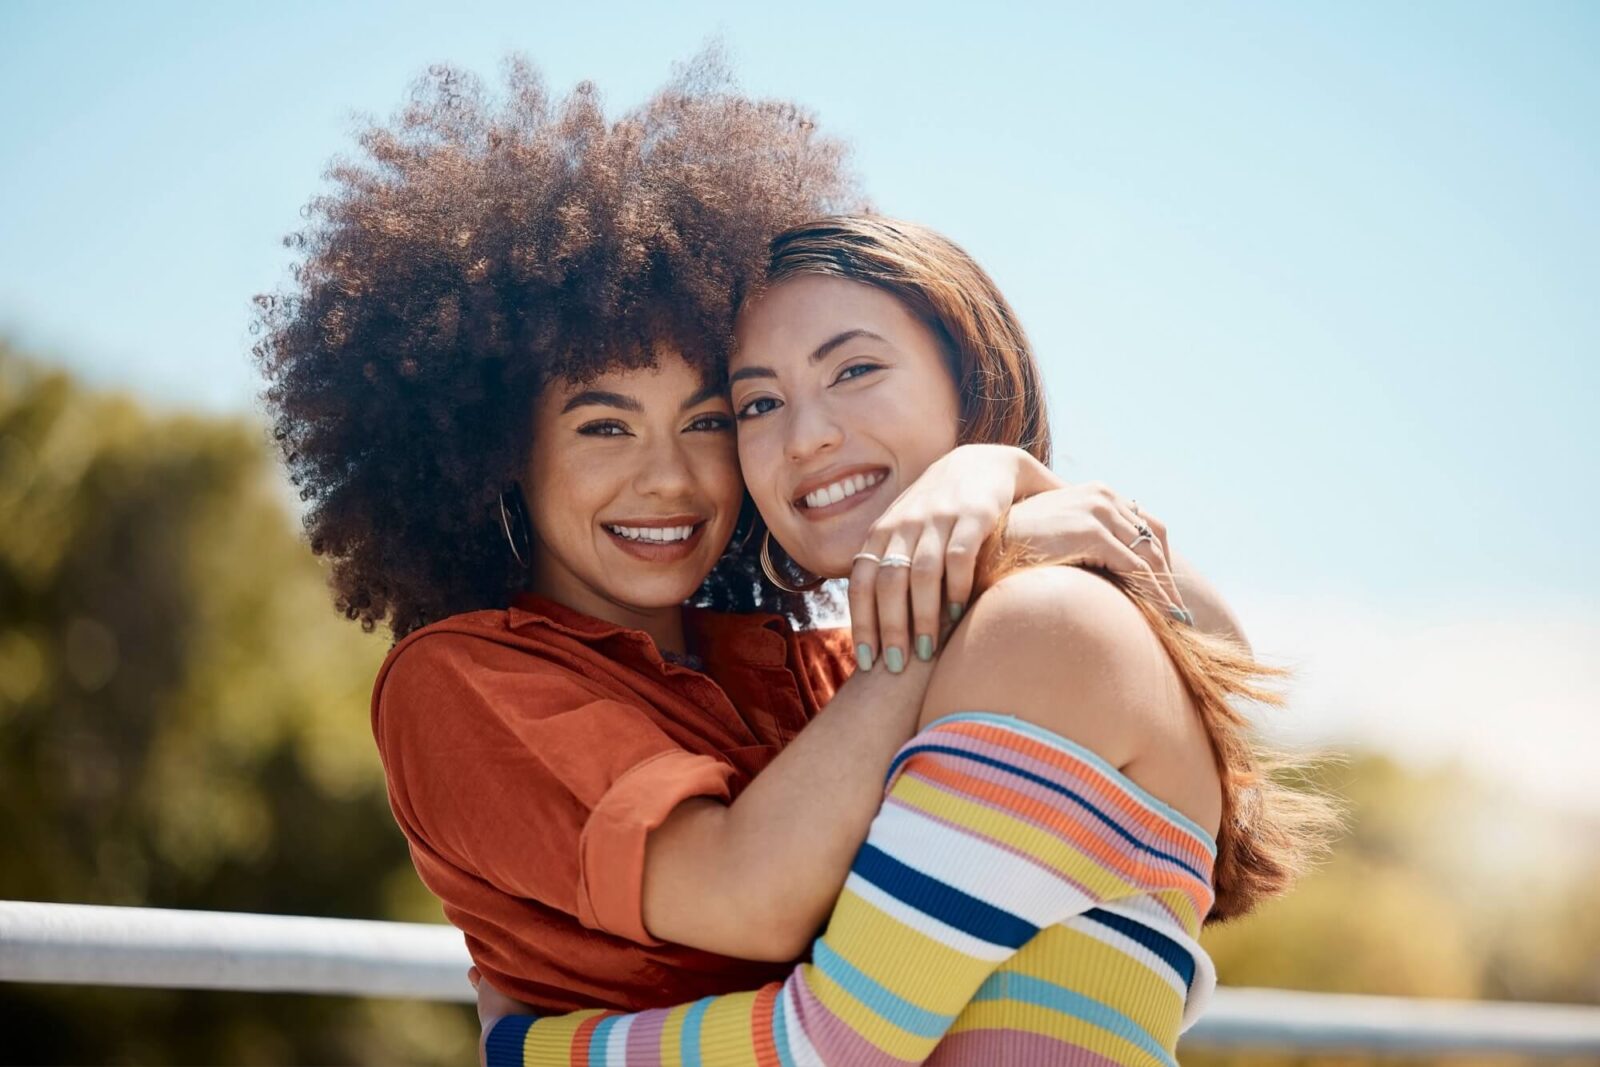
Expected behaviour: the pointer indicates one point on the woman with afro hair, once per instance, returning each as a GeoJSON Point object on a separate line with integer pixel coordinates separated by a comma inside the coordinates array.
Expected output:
{"type": "Point", "coordinates": [501, 386]}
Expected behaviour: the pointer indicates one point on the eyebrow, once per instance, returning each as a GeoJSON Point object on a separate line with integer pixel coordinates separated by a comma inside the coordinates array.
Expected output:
{"type": "Point", "coordinates": [602, 398]}
{"type": "Point", "coordinates": [820, 353]}
{"type": "Point", "coordinates": [606, 398]}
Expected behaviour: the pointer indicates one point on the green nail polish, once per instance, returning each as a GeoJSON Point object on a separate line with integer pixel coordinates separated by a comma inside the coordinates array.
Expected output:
{"type": "Point", "coordinates": [924, 647]}
{"type": "Point", "coordinates": [864, 656]}
{"type": "Point", "coordinates": [956, 610]}
{"type": "Point", "coordinates": [894, 659]}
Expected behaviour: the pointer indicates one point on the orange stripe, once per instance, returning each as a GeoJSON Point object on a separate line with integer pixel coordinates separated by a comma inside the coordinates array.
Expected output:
{"type": "Point", "coordinates": [582, 1036]}
{"type": "Point", "coordinates": [766, 1044]}
{"type": "Point", "coordinates": [1132, 865]}
{"type": "Point", "coordinates": [1119, 795]}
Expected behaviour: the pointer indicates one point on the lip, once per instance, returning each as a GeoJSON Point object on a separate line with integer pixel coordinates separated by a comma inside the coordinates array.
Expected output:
{"type": "Point", "coordinates": [658, 551]}
{"type": "Point", "coordinates": [828, 511]}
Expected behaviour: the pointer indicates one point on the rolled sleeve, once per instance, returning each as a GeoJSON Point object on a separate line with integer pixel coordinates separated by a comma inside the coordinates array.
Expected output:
{"type": "Point", "coordinates": [516, 770]}
{"type": "Point", "coordinates": [611, 868]}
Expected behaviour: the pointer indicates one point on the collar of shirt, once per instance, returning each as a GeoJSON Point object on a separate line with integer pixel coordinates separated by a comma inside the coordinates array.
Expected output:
{"type": "Point", "coordinates": [751, 640]}
{"type": "Point", "coordinates": [753, 669]}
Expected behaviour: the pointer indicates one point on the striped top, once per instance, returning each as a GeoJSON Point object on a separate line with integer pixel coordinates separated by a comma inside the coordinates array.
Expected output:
{"type": "Point", "coordinates": [1017, 900]}
{"type": "Point", "coordinates": [1119, 980]}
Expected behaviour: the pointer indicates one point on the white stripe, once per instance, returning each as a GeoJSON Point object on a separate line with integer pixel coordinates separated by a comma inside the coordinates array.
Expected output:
{"type": "Point", "coordinates": [976, 867]}
{"type": "Point", "coordinates": [800, 1047]}
{"type": "Point", "coordinates": [959, 940]}
{"type": "Point", "coordinates": [1149, 911]}
{"type": "Point", "coordinates": [617, 1039]}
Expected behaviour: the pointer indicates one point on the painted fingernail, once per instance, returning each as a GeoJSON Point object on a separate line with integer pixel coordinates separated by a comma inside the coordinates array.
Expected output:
{"type": "Point", "coordinates": [956, 610]}
{"type": "Point", "coordinates": [864, 656]}
{"type": "Point", "coordinates": [924, 647]}
{"type": "Point", "coordinates": [894, 659]}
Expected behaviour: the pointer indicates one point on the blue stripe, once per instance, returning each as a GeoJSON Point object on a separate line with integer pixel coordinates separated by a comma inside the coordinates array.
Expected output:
{"type": "Point", "coordinates": [503, 1047]}
{"type": "Point", "coordinates": [1052, 785]}
{"type": "Point", "coordinates": [597, 1038]}
{"type": "Point", "coordinates": [1088, 755]}
{"type": "Point", "coordinates": [689, 1047]}
{"type": "Point", "coordinates": [946, 903]}
{"type": "Point", "coordinates": [780, 1028]}
{"type": "Point", "coordinates": [1176, 956]}
{"type": "Point", "coordinates": [888, 1005]}
{"type": "Point", "coordinates": [1009, 985]}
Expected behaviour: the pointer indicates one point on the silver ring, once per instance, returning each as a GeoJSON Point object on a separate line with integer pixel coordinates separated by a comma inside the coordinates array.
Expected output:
{"type": "Point", "coordinates": [895, 559]}
{"type": "Point", "coordinates": [1134, 505]}
{"type": "Point", "coordinates": [869, 555]}
{"type": "Point", "coordinates": [1144, 535]}
{"type": "Point", "coordinates": [1143, 528]}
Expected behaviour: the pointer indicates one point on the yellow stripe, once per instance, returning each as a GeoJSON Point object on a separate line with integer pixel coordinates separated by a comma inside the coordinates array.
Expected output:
{"type": "Point", "coordinates": [1021, 835]}
{"type": "Point", "coordinates": [726, 1034]}
{"type": "Point", "coordinates": [873, 1028]}
{"type": "Point", "coordinates": [672, 1036]}
{"type": "Point", "coordinates": [1183, 908]}
{"type": "Point", "coordinates": [1072, 958]}
{"type": "Point", "coordinates": [899, 957]}
{"type": "Point", "coordinates": [550, 1039]}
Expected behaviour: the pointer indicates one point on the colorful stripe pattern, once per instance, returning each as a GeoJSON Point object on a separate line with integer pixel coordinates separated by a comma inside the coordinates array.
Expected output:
{"type": "Point", "coordinates": [1017, 900]}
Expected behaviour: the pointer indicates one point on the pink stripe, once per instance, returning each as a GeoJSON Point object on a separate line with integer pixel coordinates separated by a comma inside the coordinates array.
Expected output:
{"type": "Point", "coordinates": [1107, 785]}
{"type": "Point", "coordinates": [1200, 893]}
{"type": "Point", "coordinates": [996, 1048]}
{"type": "Point", "coordinates": [835, 1041]}
{"type": "Point", "coordinates": [1088, 779]}
{"type": "Point", "coordinates": [644, 1037]}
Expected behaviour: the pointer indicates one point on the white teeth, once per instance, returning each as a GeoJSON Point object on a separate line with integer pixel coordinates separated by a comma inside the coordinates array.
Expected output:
{"type": "Point", "coordinates": [844, 487]}
{"type": "Point", "coordinates": [665, 534]}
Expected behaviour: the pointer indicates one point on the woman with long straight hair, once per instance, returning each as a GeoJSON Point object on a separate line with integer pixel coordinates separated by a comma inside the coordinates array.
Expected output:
{"type": "Point", "coordinates": [1080, 795]}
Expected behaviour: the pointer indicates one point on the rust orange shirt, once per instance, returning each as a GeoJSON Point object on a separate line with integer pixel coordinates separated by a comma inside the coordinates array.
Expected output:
{"type": "Point", "coordinates": [528, 753]}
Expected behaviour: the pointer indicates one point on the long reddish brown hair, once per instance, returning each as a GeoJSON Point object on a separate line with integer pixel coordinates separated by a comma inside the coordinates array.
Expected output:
{"type": "Point", "coordinates": [1270, 831]}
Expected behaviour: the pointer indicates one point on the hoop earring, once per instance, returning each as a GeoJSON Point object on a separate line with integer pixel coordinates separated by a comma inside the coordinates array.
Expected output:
{"type": "Point", "coordinates": [771, 571]}
{"type": "Point", "coordinates": [515, 524]}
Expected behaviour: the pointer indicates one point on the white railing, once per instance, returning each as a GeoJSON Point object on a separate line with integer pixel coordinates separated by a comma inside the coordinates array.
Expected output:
{"type": "Point", "coordinates": [90, 945]}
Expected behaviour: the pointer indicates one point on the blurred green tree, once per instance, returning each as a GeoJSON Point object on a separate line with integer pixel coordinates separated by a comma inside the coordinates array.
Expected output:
{"type": "Point", "coordinates": [183, 723]}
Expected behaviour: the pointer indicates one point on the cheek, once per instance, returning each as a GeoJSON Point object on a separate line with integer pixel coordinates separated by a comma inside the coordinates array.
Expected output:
{"type": "Point", "coordinates": [759, 461]}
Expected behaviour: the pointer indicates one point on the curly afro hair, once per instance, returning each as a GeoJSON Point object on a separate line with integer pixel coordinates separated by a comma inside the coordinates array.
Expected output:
{"type": "Point", "coordinates": [476, 252]}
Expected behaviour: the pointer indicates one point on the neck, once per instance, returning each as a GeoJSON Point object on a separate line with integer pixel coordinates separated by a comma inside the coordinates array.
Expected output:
{"type": "Point", "coordinates": [664, 625]}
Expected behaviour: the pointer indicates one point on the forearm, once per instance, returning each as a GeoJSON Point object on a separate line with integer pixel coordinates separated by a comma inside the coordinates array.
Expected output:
{"type": "Point", "coordinates": [1211, 613]}
{"type": "Point", "coordinates": [793, 832]}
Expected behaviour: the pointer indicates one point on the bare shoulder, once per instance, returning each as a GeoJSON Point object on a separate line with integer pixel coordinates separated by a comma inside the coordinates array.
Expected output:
{"type": "Point", "coordinates": [1066, 649]}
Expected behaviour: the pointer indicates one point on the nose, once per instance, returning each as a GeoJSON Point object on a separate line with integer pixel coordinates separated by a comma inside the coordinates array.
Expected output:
{"type": "Point", "coordinates": [664, 472]}
{"type": "Point", "coordinates": [812, 430]}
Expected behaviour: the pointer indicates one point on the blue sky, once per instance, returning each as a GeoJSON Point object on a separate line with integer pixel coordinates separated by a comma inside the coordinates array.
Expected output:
{"type": "Point", "coordinates": [1313, 282]}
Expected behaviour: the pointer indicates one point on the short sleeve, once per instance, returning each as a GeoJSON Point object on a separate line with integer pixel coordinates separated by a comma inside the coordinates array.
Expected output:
{"type": "Point", "coordinates": [516, 769]}
{"type": "Point", "coordinates": [828, 659]}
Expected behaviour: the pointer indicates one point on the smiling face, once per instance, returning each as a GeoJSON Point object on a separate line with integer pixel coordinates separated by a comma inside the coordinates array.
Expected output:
{"type": "Point", "coordinates": [632, 487]}
{"type": "Point", "coordinates": [843, 399]}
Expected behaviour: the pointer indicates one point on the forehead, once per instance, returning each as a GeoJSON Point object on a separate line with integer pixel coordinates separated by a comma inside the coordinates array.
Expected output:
{"type": "Point", "coordinates": [671, 374]}
{"type": "Point", "coordinates": [793, 317]}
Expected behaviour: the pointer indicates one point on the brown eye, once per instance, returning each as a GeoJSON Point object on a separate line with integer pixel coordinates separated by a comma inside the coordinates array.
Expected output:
{"type": "Point", "coordinates": [607, 428]}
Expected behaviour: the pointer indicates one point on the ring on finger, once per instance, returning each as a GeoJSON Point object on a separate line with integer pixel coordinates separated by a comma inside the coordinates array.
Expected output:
{"type": "Point", "coordinates": [895, 559]}
{"type": "Point", "coordinates": [873, 556]}
{"type": "Point", "coordinates": [1144, 535]}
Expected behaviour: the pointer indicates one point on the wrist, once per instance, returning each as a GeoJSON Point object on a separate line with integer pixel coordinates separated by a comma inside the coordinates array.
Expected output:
{"type": "Point", "coordinates": [1031, 477]}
